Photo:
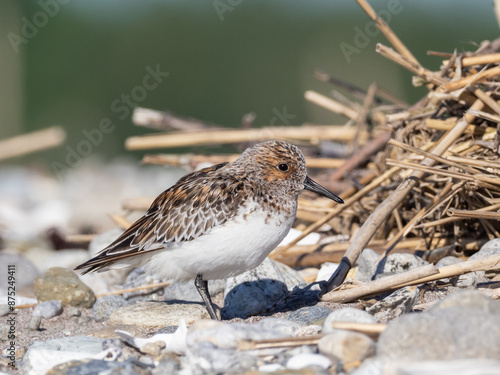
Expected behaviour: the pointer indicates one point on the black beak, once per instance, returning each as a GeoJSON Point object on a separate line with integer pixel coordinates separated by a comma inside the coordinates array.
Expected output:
{"type": "Point", "coordinates": [317, 188]}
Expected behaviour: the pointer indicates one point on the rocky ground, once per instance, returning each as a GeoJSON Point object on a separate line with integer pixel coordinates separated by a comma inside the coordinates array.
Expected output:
{"type": "Point", "coordinates": [272, 323]}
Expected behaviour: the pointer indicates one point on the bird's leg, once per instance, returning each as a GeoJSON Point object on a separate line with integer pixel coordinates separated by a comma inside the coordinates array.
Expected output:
{"type": "Point", "coordinates": [202, 286]}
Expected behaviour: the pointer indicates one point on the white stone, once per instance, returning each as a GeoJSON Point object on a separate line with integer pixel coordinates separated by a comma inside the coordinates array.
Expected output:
{"type": "Point", "coordinates": [301, 361]}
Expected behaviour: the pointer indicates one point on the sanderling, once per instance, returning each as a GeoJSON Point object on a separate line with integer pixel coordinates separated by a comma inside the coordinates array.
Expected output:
{"type": "Point", "coordinates": [216, 222]}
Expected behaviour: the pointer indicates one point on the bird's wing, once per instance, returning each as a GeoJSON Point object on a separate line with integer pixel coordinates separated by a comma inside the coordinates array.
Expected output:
{"type": "Point", "coordinates": [198, 202]}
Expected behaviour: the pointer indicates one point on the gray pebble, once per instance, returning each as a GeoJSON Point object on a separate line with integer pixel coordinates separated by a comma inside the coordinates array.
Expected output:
{"type": "Point", "coordinates": [347, 346]}
{"type": "Point", "coordinates": [347, 314]}
{"type": "Point", "coordinates": [35, 322]}
{"type": "Point", "coordinates": [310, 315]}
{"type": "Point", "coordinates": [448, 261]}
{"type": "Point", "coordinates": [367, 265]}
{"type": "Point", "coordinates": [468, 299]}
{"type": "Point", "coordinates": [395, 304]}
{"type": "Point", "coordinates": [48, 309]}
{"type": "Point", "coordinates": [283, 326]}
{"type": "Point", "coordinates": [73, 311]}
{"type": "Point", "coordinates": [399, 262]}
{"type": "Point", "coordinates": [105, 306]}
{"type": "Point", "coordinates": [442, 334]}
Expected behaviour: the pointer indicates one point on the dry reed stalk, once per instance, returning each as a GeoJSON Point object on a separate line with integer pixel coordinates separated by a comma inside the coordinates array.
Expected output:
{"type": "Point", "coordinates": [484, 264]}
{"type": "Point", "coordinates": [167, 121]}
{"type": "Point", "coordinates": [383, 211]}
{"type": "Point", "coordinates": [388, 33]}
{"type": "Point", "coordinates": [120, 220]}
{"type": "Point", "coordinates": [308, 133]}
{"type": "Point", "coordinates": [416, 69]}
{"type": "Point", "coordinates": [31, 142]}
{"type": "Point", "coordinates": [279, 343]}
{"type": "Point", "coordinates": [478, 60]}
{"type": "Point", "coordinates": [467, 81]}
{"type": "Point", "coordinates": [330, 104]}
{"type": "Point", "coordinates": [381, 285]}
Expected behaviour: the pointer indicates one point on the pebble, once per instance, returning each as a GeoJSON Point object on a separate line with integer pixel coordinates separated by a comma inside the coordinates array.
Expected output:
{"type": "Point", "coordinates": [186, 291]}
{"type": "Point", "coordinates": [468, 299]}
{"type": "Point", "coordinates": [48, 309]}
{"type": "Point", "coordinates": [73, 311]}
{"type": "Point", "coordinates": [35, 322]}
{"type": "Point", "coordinates": [306, 360]}
{"type": "Point", "coordinates": [395, 304]}
{"type": "Point", "coordinates": [253, 292]}
{"type": "Point", "coordinates": [43, 355]}
{"type": "Point", "coordinates": [476, 366]}
{"type": "Point", "coordinates": [347, 346]}
{"type": "Point", "coordinates": [284, 326]}
{"type": "Point", "coordinates": [65, 286]}
{"type": "Point", "coordinates": [208, 358]}
{"type": "Point", "coordinates": [448, 261]}
{"type": "Point", "coordinates": [105, 306]}
{"type": "Point", "coordinates": [367, 265]}
{"type": "Point", "coordinates": [310, 315]}
{"type": "Point", "coordinates": [442, 334]}
{"type": "Point", "coordinates": [488, 249]}
{"type": "Point", "coordinates": [399, 262]}
{"type": "Point", "coordinates": [226, 336]}
{"type": "Point", "coordinates": [25, 271]}
{"type": "Point", "coordinates": [158, 314]}
{"type": "Point", "coordinates": [468, 279]}
{"type": "Point", "coordinates": [99, 366]}
{"type": "Point", "coordinates": [347, 314]}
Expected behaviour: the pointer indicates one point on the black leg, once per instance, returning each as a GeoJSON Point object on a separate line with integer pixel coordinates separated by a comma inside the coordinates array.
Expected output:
{"type": "Point", "coordinates": [202, 286]}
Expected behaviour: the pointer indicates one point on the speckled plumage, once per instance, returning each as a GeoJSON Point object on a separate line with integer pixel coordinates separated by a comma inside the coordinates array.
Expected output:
{"type": "Point", "coordinates": [219, 221]}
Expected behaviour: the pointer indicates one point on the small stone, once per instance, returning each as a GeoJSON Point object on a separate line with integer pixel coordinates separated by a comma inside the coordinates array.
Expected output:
{"type": "Point", "coordinates": [272, 367]}
{"type": "Point", "coordinates": [254, 291]}
{"type": "Point", "coordinates": [399, 262]}
{"type": "Point", "coordinates": [310, 315]}
{"type": "Point", "coordinates": [48, 309]}
{"type": "Point", "coordinates": [301, 361]}
{"type": "Point", "coordinates": [99, 366]}
{"type": "Point", "coordinates": [105, 306]}
{"type": "Point", "coordinates": [4, 332]}
{"type": "Point", "coordinates": [153, 348]}
{"type": "Point", "coordinates": [395, 304]}
{"type": "Point", "coordinates": [489, 248]}
{"type": "Point", "coordinates": [367, 265]}
{"type": "Point", "coordinates": [35, 322]}
{"type": "Point", "coordinates": [4, 309]}
{"type": "Point", "coordinates": [309, 330]}
{"type": "Point", "coordinates": [73, 311]}
{"type": "Point", "coordinates": [43, 355]}
{"type": "Point", "coordinates": [227, 336]}
{"type": "Point", "coordinates": [347, 314]}
{"type": "Point", "coordinates": [205, 358]}
{"type": "Point", "coordinates": [158, 314]}
{"type": "Point", "coordinates": [442, 334]}
{"type": "Point", "coordinates": [283, 326]}
{"type": "Point", "coordinates": [63, 285]}
{"type": "Point", "coordinates": [448, 261]}
{"type": "Point", "coordinates": [347, 346]}
{"type": "Point", "coordinates": [468, 299]}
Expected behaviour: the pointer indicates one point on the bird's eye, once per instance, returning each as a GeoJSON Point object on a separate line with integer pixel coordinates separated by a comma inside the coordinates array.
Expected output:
{"type": "Point", "coordinates": [283, 167]}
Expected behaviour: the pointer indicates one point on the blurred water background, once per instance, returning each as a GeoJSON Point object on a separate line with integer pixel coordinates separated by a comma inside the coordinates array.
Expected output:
{"type": "Point", "coordinates": [75, 62]}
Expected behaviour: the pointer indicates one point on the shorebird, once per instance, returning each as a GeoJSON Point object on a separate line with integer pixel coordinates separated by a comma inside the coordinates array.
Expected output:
{"type": "Point", "coordinates": [216, 222]}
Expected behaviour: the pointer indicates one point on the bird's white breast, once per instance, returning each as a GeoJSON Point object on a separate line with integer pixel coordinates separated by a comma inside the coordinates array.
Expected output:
{"type": "Point", "coordinates": [233, 248]}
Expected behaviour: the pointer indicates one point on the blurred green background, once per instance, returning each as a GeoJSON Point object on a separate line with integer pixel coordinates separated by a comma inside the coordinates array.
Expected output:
{"type": "Point", "coordinates": [224, 58]}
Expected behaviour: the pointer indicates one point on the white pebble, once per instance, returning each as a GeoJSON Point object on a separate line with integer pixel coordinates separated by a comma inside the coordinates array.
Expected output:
{"type": "Point", "coordinates": [301, 361]}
